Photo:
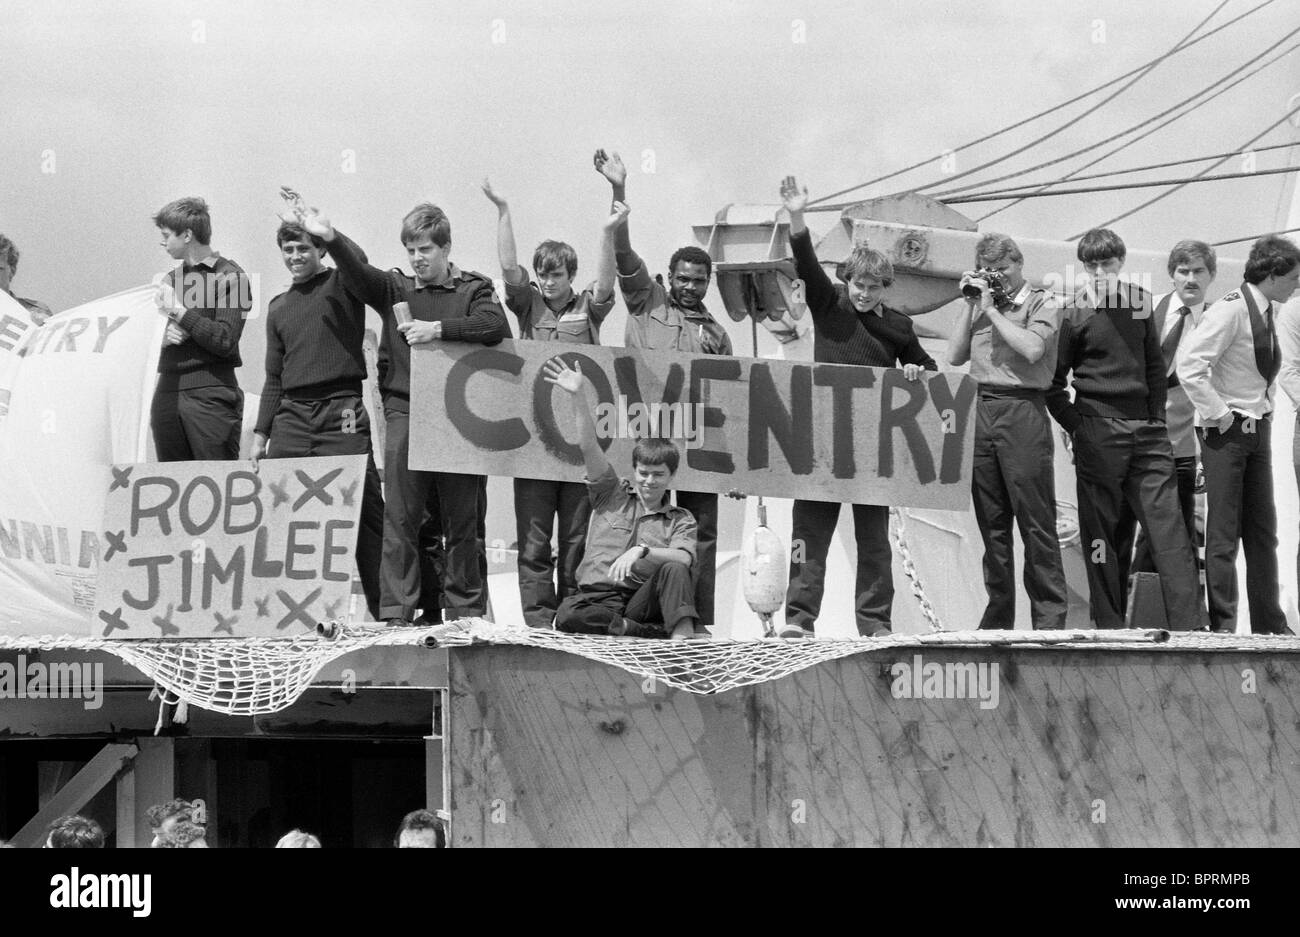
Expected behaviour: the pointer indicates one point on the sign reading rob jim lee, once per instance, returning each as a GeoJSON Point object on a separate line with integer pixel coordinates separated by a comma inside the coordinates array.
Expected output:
{"type": "Point", "coordinates": [215, 549]}
{"type": "Point", "coordinates": [817, 431]}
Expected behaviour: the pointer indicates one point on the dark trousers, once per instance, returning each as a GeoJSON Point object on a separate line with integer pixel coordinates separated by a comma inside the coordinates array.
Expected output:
{"type": "Point", "coordinates": [813, 526]}
{"type": "Point", "coordinates": [1125, 470]}
{"type": "Point", "coordinates": [538, 503]}
{"type": "Point", "coordinates": [197, 425]}
{"type": "Point", "coordinates": [1239, 500]}
{"type": "Point", "coordinates": [408, 492]}
{"type": "Point", "coordinates": [338, 426]}
{"type": "Point", "coordinates": [433, 560]}
{"type": "Point", "coordinates": [1013, 479]}
{"type": "Point", "coordinates": [704, 507]}
{"type": "Point", "coordinates": [1185, 470]}
{"type": "Point", "coordinates": [665, 598]}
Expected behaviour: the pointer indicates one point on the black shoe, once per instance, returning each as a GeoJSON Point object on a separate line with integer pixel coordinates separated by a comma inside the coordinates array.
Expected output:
{"type": "Point", "coordinates": [630, 628]}
{"type": "Point", "coordinates": [879, 631]}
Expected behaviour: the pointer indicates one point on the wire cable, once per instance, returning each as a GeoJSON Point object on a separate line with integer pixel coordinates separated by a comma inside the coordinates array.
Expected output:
{"type": "Point", "coordinates": [1044, 113]}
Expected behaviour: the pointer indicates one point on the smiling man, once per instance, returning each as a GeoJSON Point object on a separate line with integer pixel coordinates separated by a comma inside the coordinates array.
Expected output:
{"type": "Point", "coordinates": [635, 579]}
{"type": "Point", "coordinates": [1123, 461]}
{"type": "Point", "coordinates": [442, 303]}
{"type": "Point", "coordinates": [315, 367]}
{"type": "Point", "coordinates": [851, 325]}
{"type": "Point", "coordinates": [672, 319]}
{"type": "Point", "coordinates": [1228, 368]}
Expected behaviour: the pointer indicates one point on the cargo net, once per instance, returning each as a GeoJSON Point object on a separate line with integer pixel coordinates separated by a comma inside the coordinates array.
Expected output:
{"type": "Point", "coordinates": [256, 676]}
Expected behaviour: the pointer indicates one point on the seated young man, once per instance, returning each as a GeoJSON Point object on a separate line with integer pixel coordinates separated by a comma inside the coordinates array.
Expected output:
{"type": "Point", "coordinates": [635, 579]}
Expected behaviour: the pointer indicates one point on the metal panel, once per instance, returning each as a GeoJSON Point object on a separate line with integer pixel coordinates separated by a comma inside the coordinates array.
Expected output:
{"type": "Point", "coordinates": [1083, 748]}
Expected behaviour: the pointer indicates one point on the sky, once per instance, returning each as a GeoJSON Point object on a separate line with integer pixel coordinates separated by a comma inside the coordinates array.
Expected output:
{"type": "Point", "coordinates": [114, 108]}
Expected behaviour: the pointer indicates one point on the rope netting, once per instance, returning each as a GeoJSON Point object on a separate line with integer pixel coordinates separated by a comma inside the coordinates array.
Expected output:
{"type": "Point", "coordinates": [257, 676]}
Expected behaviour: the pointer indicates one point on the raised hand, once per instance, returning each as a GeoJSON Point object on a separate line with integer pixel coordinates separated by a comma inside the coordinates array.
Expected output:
{"type": "Point", "coordinates": [493, 196]}
{"type": "Point", "coordinates": [792, 197]}
{"type": "Point", "coordinates": [617, 216]}
{"type": "Point", "coordinates": [557, 372]}
{"type": "Point", "coordinates": [312, 221]}
{"type": "Point", "coordinates": [610, 165]}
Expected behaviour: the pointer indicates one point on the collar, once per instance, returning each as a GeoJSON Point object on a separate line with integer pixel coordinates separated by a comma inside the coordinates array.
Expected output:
{"type": "Point", "coordinates": [1265, 304]}
{"type": "Point", "coordinates": [666, 508]}
{"type": "Point", "coordinates": [210, 262]}
{"type": "Point", "coordinates": [1175, 303]}
{"type": "Point", "coordinates": [453, 275]}
{"type": "Point", "coordinates": [1022, 294]}
{"type": "Point", "coordinates": [668, 310]}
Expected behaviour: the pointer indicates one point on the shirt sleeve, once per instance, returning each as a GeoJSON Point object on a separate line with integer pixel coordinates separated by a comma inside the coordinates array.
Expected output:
{"type": "Point", "coordinates": [602, 487]}
{"type": "Point", "coordinates": [913, 353]}
{"type": "Point", "coordinates": [684, 534]}
{"type": "Point", "coordinates": [272, 390]}
{"type": "Point", "coordinates": [638, 290]}
{"type": "Point", "coordinates": [1196, 352]}
{"type": "Point", "coordinates": [1045, 320]}
{"type": "Point", "coordinates": [220, 334]}
{"type": "Point", "coordinates": [597, 310]}
{"type": "Point", "coordinates": [485, 322]}
{"type": "Point", "coordinates": [519, 297]}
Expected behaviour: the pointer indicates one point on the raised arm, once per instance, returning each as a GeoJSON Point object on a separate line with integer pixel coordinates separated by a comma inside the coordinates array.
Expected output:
{"type": "Point", "coordinates": [572, 382]}
{"type": "Point", "coordinates": [511, 272]}
{"type": "Point", "coordinates": [610, 165]}
{"type": "Point", "coordinates": [367, 283]}
{"type": "Point", "coordinates": [819, 291]}
{"type": "Point", "coordinates": [605, 268]}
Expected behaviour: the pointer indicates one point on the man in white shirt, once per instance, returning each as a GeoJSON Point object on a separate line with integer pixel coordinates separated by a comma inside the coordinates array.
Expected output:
{"type": "Point", "coordinates": [1192, 267]}
{"type": "Point", "coordinates": [1227, 367]}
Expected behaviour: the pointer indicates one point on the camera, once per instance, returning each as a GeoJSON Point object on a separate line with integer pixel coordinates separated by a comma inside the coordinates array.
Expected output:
{"type": "Point", "coordinates": [997, 286]}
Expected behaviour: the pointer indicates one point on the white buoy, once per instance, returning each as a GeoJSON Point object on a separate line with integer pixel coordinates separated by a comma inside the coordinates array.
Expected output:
{"type": "Point", "coordinates": [764, 564]}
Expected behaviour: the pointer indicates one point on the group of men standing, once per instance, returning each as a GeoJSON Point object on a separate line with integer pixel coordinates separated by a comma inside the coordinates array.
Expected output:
{"type": "Point", "coordinates": [1157, 382]}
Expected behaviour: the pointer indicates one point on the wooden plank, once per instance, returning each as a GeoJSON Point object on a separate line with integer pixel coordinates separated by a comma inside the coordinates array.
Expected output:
{"type": "Point", "coordinates": [214, 549]}
{"type": "Point", "coordinates": [834, 432]}
{"type": "Point", "coordinates": [75, 794]}
{"type": "Point", "coordinates": [1079, 748]}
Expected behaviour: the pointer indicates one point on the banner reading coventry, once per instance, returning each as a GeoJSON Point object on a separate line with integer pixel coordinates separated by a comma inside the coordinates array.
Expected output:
{"type": "Point", "coordinates": [785, 429]}
{"type": "Point", "coordinates": [74, 398]}
{"type": "Point", "coordinates": [213, 549]}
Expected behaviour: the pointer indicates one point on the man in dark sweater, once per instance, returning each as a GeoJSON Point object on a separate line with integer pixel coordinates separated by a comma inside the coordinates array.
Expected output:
{"type": "Point", "coordinates": [443, 304]}
{"type": "Point", "coordinates": [312, 398]}
{"type": "Point", "coordinates": [851, 326]}
{"type": "Point", "coordinates": [1123, 459]}
{"type": "Point", "coordinates": [198, 407]}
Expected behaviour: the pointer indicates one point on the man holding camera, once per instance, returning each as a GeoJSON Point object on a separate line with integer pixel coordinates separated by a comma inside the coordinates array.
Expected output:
{"type": "Point", "coordinates": [1008, 333]}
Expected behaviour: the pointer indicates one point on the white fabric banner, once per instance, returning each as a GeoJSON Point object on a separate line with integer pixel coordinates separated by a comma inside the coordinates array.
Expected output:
{"type": "Point", "coordinates": [74, 398]}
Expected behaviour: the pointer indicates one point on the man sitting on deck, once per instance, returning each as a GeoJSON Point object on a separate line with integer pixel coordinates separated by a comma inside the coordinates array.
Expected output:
{"type": "Point", "coordinates": [635, 579]}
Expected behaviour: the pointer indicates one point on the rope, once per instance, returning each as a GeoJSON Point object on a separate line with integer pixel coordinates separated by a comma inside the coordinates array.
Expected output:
{"type": "Point", "coordinates": [1253, 237]}
{"type": "Point", "coordinates": [1020, 196]}
{"type": "Point", "coordinates": [898, 532]}
{"type": "Point", "coordinates": [1050, 110]}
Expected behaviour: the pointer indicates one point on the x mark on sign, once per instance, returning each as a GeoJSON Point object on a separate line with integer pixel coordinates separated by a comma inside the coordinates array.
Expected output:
{"type": "Point", "coordinates": [278, 494]}
{"type": "Point", "coordinates": [225, 624]}
{"type": "Point", "coordinates": [315, 489]}
{"type": "Point", "coordinates": [121, 477]}
{"type": "Point", "coordinates": [164, 623]}
{"type": "Point", "coordinates": [114, 621]}
{"type": "Point", "coordinates": [297, 611]}
{"type": "Point", "coordinates": [116, 543]}
{"type": "Point", "coordinates": [263, 606]}
{"type": "Point", "coordinates": [349, 492]}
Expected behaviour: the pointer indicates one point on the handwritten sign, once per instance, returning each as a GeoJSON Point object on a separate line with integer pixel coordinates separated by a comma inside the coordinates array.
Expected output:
{"type": "Point", "coordinates": [214, 549]}
{"type": "Point", "coordinates": [785, 429]}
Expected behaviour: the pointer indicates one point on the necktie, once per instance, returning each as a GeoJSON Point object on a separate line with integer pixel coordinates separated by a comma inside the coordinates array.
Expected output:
{"type": "Point", "coordinates": [1169, 347]}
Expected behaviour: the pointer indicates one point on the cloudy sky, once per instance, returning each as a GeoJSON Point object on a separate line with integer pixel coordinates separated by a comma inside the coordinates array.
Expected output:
{"type": "Point", "coordinates": [114, 108]}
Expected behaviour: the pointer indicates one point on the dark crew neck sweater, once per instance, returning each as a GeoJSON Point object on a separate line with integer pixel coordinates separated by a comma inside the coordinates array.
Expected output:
{"type": "Point", "coordinates": [1114, 353]}
{"type": "Point", "coordinates": [217, 299]}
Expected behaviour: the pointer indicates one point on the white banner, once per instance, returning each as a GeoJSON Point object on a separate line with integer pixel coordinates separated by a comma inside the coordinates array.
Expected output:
{"type": "Point", "coordinates": [74, 399]}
